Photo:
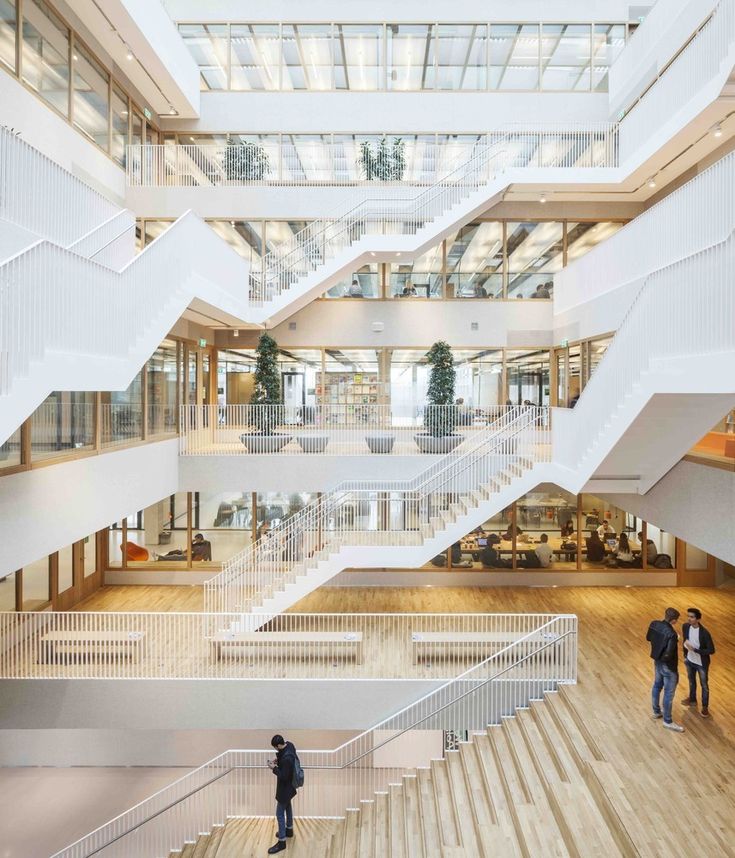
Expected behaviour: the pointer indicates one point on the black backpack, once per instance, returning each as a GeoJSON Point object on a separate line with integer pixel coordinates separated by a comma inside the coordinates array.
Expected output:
{"type": "Point", "coordinates": [297, 778]}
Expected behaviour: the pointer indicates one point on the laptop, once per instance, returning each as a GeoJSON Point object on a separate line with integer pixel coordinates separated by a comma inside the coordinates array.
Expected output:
{"type": "Point", "coordinates": [481, 543]}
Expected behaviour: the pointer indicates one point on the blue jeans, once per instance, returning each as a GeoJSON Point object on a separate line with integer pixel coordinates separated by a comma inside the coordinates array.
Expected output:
{"type": "Point", "coordinates": [284, 817]}
{"type": "Point", "coordinates": [664, 678]}
{"type": "Point", "coordinates": [692, 671]}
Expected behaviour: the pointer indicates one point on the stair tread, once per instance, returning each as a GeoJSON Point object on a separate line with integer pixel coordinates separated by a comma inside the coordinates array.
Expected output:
{"type": "Point", "coordinates": [397, 821]}
{"type": "Point", "coordinates": [463, 803]}
{"type": "Point", "coordinates": [448, 823]}
{"type": "Point", "coordinates": [412, 815]}
{"type": "Point", "coordinates": [366, 845]}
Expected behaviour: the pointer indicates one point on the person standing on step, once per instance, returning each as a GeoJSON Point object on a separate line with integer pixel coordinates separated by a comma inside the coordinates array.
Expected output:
{"type": "Point", "coordinates": [698, 647]}
{"type": "Point", "coordinates": [665, 654]}
{"type": "Point", "coordinates": [283, 768]}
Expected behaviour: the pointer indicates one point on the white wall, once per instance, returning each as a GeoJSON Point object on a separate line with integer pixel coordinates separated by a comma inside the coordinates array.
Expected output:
{"type": "Point", "coordinates": [47, 508]}
{"type": "Point", "coordinates": [407, 10]}
{"type": "Point", "coordinates": [695, 502]}
{"type": "Point", "coordinates": [203, 704]}
{"type": "Point", "coordinates": [394, 112]}
{"type": "Point", "coordinates": [413, 324]}
{"type": "Point", "coordinates": [292, 473]}
{"type": "Point", "coordinates": [52, 135]}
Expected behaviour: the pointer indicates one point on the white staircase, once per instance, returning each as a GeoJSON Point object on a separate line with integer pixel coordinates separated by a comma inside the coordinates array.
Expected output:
{"type": "Point", "coordinates": [387, 524]}
{"type": "Point", "coordinates": [667, 377]}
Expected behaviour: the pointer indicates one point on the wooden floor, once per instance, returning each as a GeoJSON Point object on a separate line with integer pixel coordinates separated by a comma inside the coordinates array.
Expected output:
{"type": "Point", "coordinates": [674, 793]}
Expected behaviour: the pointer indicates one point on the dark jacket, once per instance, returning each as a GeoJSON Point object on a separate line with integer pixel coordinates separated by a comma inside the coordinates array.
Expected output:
{"type": "Point", "coordinates": [706, 644]}
{"type": "Point", "coordinates": [283, 770]}
{"type": "Point", "coordinates": [664, 644]}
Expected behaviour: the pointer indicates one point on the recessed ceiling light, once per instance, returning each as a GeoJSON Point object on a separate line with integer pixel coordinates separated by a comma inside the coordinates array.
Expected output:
{"type": "Point", "coordinates": [398, 254]}
{"type": "Point", "coordinates": [542, 198]}
{"type": "Point", "coordinates": [172, 110]}
{"type": "Point", "coordinates": [716, 130]}
{"type": "Point", "coordinates": [129, 55]}
{"type": "Point", "coordinates": [651, 182]}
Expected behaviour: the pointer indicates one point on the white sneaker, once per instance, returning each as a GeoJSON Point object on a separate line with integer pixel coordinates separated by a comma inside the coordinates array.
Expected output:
{"type": "Point", "coordinates": [677, 728]}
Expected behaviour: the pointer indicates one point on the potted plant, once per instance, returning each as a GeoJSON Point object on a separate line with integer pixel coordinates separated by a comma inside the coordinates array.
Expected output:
{"type": "Point", "coordinates": [440, 417]}
{"type": "Point", "coordinates": [245, 161]}
{"type": "Point", "coordinates": [267, 392]}
{"type": "Point", "coordinates": [387, 163]}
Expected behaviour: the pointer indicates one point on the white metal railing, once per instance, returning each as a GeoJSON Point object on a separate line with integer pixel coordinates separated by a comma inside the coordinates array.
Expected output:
{"type": "Point", "coordinates": [402, 513]}
{"type": "Point", "coordinates": [659, 37]}
{"type": "Point", "coordinates": [707, 56]}
{"type": "Point", "coordinates": [331, 430]}
{"type": "Point", "coordinates": [684, 309]}
{"type": "Point", "coordinates": [48, 295]}
{"type": "Point", "coordinates": [238, 783]}
{"type": "Point", "coordinates": [39, 195]}
{"type": "Point", "coordinates": [693, 217]}
{"type": "Point", "coordinates": [128, 645]}
{"type": "Point", "coordinates": [112, 243]}
{"type": "Point", "coordinates": [333, 164]}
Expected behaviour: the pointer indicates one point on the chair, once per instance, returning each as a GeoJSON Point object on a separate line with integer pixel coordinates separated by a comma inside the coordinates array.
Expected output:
{"type": "Point", "coordinates": [134, 552]}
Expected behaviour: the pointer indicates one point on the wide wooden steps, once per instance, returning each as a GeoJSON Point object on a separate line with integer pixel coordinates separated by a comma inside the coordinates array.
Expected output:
{"type": "Point", "coordinates": [534, 786]}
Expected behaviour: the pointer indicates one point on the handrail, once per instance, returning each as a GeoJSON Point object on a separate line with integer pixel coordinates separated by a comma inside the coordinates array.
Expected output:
{"type": "Point", "coordinates": [416, 705]}
{"type": "Point", "coordinates": [422, 488]}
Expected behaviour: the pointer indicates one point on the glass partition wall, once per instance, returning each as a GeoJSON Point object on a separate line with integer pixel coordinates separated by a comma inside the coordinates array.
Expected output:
{"type": "Point", "coordinates": [405, 57]}
{"type": "Point", "coordinates": [551, 529]}
{"type": "Point", "coordinates": [496, 259]}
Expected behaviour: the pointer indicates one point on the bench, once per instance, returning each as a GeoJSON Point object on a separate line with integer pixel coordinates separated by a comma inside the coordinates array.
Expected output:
{"type": "Point", "coordinates": [352, 641]}
{"type": "Point", "coordinates": [54, 645]}
{"type": "Point", "coordinates": [471, 642]}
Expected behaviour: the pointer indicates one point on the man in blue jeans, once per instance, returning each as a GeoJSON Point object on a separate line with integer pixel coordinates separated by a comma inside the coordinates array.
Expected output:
{"type": "Point", "coordinates": [665, 654]}
{"type": "Point", "coordinates": [283, 768]}
{"type": "Point", "coordinates": [698, 647]}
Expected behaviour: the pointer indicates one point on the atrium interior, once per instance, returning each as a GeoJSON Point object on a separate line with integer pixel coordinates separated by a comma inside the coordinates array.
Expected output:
{"type": "Point", "coordinates": [367, 378]}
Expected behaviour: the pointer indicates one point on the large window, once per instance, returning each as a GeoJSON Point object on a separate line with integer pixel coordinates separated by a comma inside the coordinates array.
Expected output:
{"type": "Point", "coordinates": [358, 56]}
{"type": "Point", "coordinates": [419, 278]}
{"type": "Point", "coordinates": [255, 56]}
{"type": "Point", "coordinates": [475, 261]}
{"type": "Point", "coordinates": [461, 56]}
{"type": "Point", "coordinates": [535, 254]}
{"type": "Point", "coordinates": [122, 414]}
{"type": "Point", "coordinates": [565, 57]}
{"type": "Point", "coordinates": [208, 45]}
{"type": "Point", "coordinates": [307, 56]}
{"type": "Point", "coordinates": [8, 26]}
{"type": "Point", "coordinates": [46, 54]}
{"type": "Point", "coordinates": [527, 376]}
{"type": "Point", "coordinates": [514, 56]}
{"type": "Point", "coordinates": [120, 124]}
{"type": "Point", "coordinates": [161, 381]}
{"type": "Point", "coordinates": [91, 96]}
{"type": "Point", "coordinates": [63, 422]}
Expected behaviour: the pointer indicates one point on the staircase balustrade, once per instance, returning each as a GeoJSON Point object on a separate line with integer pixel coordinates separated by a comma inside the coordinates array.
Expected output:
{"type": "Point", "coordinates": [395, 514]}
{"type": "Point", "coordinates": [238, 783]}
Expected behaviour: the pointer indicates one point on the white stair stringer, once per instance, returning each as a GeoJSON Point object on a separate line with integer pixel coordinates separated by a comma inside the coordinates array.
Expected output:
{"type": "Point", "coordinates": [70, 323]}
{"type": "Point", "coordinates": [401, 556]}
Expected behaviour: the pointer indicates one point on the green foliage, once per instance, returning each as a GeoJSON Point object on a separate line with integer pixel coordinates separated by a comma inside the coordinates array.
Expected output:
{"type": "Point", "coordinates": [387, 163]}
{"type": "Point", "coordinates": [245, 161]}
{"type": "Point", "coordinates": [267, 379]}
{"type": "Point", "coordinates": [439, 419]}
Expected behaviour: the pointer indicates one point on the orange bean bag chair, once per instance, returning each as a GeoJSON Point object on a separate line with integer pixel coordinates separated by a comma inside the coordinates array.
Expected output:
{"type": "Point", "coordinates": [134, 552]}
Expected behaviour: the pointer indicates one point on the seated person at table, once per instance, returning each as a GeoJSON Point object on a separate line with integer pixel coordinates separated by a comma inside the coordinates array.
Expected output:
{"type": "Point", "coordinates": [622, 556]}
{"type": "Point", "coordinates": [409, 291]}
{"type": "Point", "coordinates": [479, 291]}
{"type": "Point", "coordinates": [604, 531]}
{"type": "Point", "coordinates": [355, 290]}
{"type": "Point", "coordinates": [490, 558]}
{"type": "Point", "coordinates": [201, 549]}
{"type": "Point", "coordinates": [459, 559]}
{"type": "Point", "coordinates": [508, 535]}
{"type": "Point", "coordinates": [651, 550]}
{"type": "Point", "coordinates": [568, 529]}
{"type": "Point", "coordinates": [595, 548]}
{"type": "Point", "coordinates": [543, 551]}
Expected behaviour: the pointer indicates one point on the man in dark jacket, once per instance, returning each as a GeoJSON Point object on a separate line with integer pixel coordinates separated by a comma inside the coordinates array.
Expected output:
{"type": "Point", "coordinates": [283, 768]}
{"type": "Point", "coordinates": [698, 647]}
{"type": "Point", "coordinates": [665, 654]}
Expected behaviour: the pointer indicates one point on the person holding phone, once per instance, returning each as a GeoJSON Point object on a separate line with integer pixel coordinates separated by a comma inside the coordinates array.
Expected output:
{"type": "Point", "coordinates": [283, 768]}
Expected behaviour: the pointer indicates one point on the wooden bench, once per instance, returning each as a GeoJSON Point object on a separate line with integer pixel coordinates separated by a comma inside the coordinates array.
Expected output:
{"type": "Point", "coordinates": [56, 646]}
{"type": "Point", "coordinates": [470, 642]}
{"type": "Point", "coordinates": [351, 640]}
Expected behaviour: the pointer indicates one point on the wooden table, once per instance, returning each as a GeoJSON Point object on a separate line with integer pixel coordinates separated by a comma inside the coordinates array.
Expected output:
{"type": "Point", "coordinates": [351, 640]}
{"type": "Point", "coordinates": [505, 546]}
{"type": "Point", "coordinates": [52, 645]}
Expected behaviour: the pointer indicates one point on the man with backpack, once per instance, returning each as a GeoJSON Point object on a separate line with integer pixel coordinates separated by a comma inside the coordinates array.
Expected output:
{"type": "Point", "coordinates": [287, 768]}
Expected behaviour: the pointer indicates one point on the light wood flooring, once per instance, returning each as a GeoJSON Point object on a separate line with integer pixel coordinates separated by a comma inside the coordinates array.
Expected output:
{"type": "Point", "coordinates": [674, 794]}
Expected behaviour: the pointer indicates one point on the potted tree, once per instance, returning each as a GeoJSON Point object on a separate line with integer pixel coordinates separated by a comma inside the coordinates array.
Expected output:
{"type": "Point", "coordinates": [267, 392]}
{"type": "Point", "coordinates": [386, 164]}
{"type": "Point", "coordinates": [245, 161]}
{"type": "Point", "coordinates": [439, 417]}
